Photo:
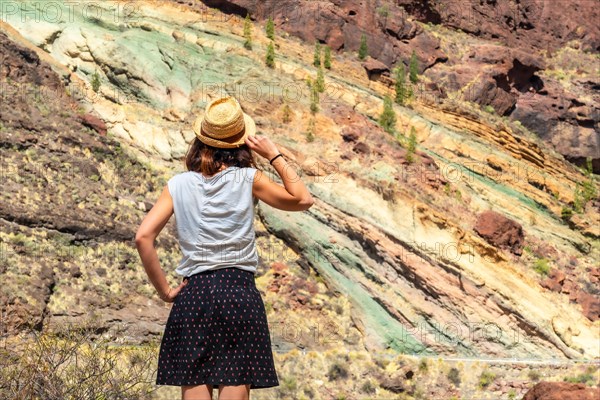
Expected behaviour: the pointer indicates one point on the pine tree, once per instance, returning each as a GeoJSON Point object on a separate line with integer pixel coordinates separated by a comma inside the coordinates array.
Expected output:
{"type": "Point", "coordinates": [314, 98]}
{"type": "Point", "coordinates": [248, 32]}
{"type": "Point", "coordinates": [287, 111]}
{"type": "Point", "coordinates": [320, 82]}
{"type": "Point", "coordinates": [96, 81]}
{"type": "Point", "coordinates": [362, 51]}
{"type": "Point", "coordinates": [327, 61]}
{"type": "Point", "coordinates": [401, 92]}
{"type": "Point", "coordinates": [412, 145]}
{"type": "Point", "coordinates": [270, 28]}
{"type": "Point", "coordinates": [287, 114]}
{"type": "Point", "coordinates": [414, 68]}
{"type": "Point", "coordinates": [589, 186]}
{"type": "Point", "coordinates": [317, 57]}
{"type": "Point", "coordinates": [310, 132]}
{"type": "Point", "coordinates": [270, 57]}
{"type": "Point", "coordinates": [387, 119]}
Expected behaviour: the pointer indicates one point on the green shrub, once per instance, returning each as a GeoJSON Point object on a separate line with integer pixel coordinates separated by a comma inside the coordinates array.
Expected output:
{"type": "Point", "coordinates": [414, 68]}
{"type": "Point", "coordinates": [383, 11]}
{"type": "Point", "coordinates": [368, 387]}
{"type": "Point", "coordinates": [363, 50]}
{"type": "Point", "coordinates": [485, 379]}
{"type": "Point", "coordinates": [320, 82]}
{"type": "Point", "coordinates": [533, 375]}
{"type": "Point", "coordinates": [270, 56]}
{"type": "Point", "coordinates": [585, 378]}
{"type": "Point", "coordinates": [96, 82]}
{"type": "Point", "coordinates": [337, 370]}
{"type": "Point", "coordinates": [412, 145]}
{"type": "Point", "coordinates": [70, 362]}
{"type": "Point", "coordinates": [387, 119]}
{"type": "Point", "coordinates": [400, 85]}
{"type": "Point", "coordinates": [287, 114]}
{"type": "Point", "coordinates": [314, 98]}
{"type": "Point", "coordinates": [310, 132]}
{"type": "Point", "coordinates": [270, 28]}
{"type": "Point", "coordinates": [566, 213]}
{"type": "Point", "coordinates": [248, 32]}
{"type": "Point", "coordinates": [289, 386]}
{"type": "Point", "coordinates": [541, 266]}
{"type": "Point", "coordinates": [317, 56]}
{"type": "Point", "coordinates": [454, 376]}
{"type": "Point", "coordinates": [327, 60]}
{"type": "Point", "coordinates": [589, 191]}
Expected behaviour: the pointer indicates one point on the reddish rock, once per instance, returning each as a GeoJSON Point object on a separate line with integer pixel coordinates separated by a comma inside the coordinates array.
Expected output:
{"type": "Point", "coordinates": [95, 123]}
{"type": "Point", "coordinates": [590, 304]}
{"type": "Point", "coordinates": [567, 120]}
{"type": "Point", "coordinates": [278, 268]}
{"type": "Point", "coordinates": [361, 148]}
{"type": "Point", "coordinates": [350, 133]}
{"type": "Point", "coordinates": [554, 280]}
{"type": "Point", "coordinates": [527, 23]}
{"type": "Point", "coordinates": [374, 68]}
{"type": "Point", "coordinates": [340, 24]}
{"type": "Point", "coordinates": [427, 49]}
{"type": "Point", "coordinates": [487, 92]}
{"type": "Point", "coordinates": [562, 391]}
{"type": "Point", "coordinates": [499, 74]}
{"type": "Point", "coordinates": [500, 231]}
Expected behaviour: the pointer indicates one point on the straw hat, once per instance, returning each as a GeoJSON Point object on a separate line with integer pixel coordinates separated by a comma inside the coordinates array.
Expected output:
{"type": "Point", "coordinates": [224, 124]}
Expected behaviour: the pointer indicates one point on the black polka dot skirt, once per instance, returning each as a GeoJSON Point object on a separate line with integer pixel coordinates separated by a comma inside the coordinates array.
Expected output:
{"type": "Point", "coordinates": [217, 333]}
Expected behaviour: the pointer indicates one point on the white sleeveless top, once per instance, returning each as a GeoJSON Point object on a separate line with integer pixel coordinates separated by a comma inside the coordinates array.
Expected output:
{"type": "Point", "coordinates": [215, 220]}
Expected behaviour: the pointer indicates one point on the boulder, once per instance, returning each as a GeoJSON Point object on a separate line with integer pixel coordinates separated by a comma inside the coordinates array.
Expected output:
{"type": "Point", "coordinates": [374, 68]}
{"type": "Point", "coordinates": [500, 231]}
{"type": "Point", "coordinates": [554, 280]}
{"type": "Point", "coordinates": [95, 123]}
{"type": "Point", "coordinates": [590, 304]}
{"type": "Point", "coordinates": [562, 391]}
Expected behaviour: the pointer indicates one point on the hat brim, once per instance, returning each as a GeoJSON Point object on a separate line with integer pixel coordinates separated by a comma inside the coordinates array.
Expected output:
{"type": "Point", "coordinates": [249, 130]}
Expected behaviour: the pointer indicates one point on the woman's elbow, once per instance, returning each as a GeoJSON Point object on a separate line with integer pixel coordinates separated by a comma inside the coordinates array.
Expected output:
{"type": "Point", "coordinates": [306, 203]}
{"type": "Point", "coordinates": [142, 237]}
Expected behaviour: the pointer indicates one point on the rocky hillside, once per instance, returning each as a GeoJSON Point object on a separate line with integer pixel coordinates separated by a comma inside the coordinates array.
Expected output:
{"type": "Point", "coordinates": [484, 243]}
{"type": "Point", "coordinates": [532, 61]}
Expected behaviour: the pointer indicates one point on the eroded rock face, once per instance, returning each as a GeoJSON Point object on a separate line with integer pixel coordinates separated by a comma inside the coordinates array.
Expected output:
{"type": "Point", "coordinates": [528, 23]}
{"type": "Point", "coordinates": [502, 76]}
{"type": "Point", "coordinates": [391, 37]}
{"type": "Point", "coordinates": [57, 201]}
{"type": "Point", "coordinates": [562, 391]}
{"type": "Point", "coordinates": [500, 231]}
{"type": "Point", "coordinates": [569, 120]}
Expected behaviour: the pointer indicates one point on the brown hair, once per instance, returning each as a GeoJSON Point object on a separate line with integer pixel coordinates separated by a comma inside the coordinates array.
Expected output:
{"type": "Point", "coordinates": [208, 160]}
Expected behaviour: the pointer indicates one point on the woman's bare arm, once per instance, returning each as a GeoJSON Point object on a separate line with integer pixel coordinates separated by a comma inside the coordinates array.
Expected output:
{"type": "Point", "coordinates": [293, 196]}
{"type": "Point", "coordinates": [149, 229]}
